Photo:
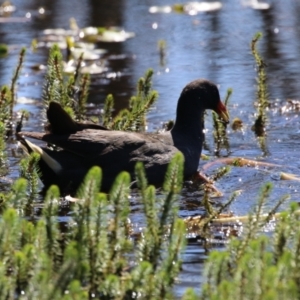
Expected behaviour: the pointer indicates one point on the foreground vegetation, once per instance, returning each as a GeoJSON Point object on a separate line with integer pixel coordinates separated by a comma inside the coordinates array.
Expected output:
{"type": "Point", "coordinates": [97, 254]}
{"type": "Point", "coordinates": [94, 256]}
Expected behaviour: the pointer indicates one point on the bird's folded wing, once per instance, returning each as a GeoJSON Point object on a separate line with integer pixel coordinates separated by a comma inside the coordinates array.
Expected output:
{"type": "Point", "coordinates": [92, 143]}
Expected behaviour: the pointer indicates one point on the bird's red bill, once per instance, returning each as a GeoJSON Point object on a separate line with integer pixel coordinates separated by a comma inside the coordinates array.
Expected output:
{"type": "Point", "coordinates": [221, 110]}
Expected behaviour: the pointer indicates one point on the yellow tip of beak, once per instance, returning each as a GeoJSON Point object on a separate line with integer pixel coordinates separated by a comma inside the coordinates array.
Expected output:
{"type": "Point", "coordinates": [222, 112]}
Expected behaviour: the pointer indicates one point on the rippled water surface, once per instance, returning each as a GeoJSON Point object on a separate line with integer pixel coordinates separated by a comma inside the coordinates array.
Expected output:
{"type": "Point", "coordinates": [213, 45]}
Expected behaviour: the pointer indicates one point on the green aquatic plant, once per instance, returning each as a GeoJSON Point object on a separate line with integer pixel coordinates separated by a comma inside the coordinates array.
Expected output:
{"type": "Point", "coordinates": [94, 255]}
{"type": "Point", "coordinates": [5, 99]}
{"type": "Point", "coordinates": [220, 135]}
{"type": "Point", "coordinates": [262, 90]}
{"type": "Point", "coordinates": [55, 88]}
{"type": "Point", "coordinates": [162, 45]}
{"type": "Point", "coordinates": [29, 170]}
{"type": "Point", "coordinates": [3, 156]}
{"type": "Point", "coordinates": [24, 115]}
{"type": "Point", "coordinates": [6, 126]}
{"type": "Point", "coordinates": [97, 253]}
{"type": "Point", "coordinates": [259, 125]}
{"type": "Point", "coordinates": [71, 92]}
{"type": "Point", "coordinates": [108, 111]}
{"type": "Point", "coordinates": [251, 264]}
{"type": "Point", "coordinates": [133, 118]}
{"type": "Point", "coordinates": [179, 8]}
{"type": "Point", "coordinates": [3, 49]}
{"type": "Point", "coordinates": [15, 78]}
{"type": "Point", "coordinates": [78, 88]}
{"type": "Point", "coordinates": [84, 85]}
{"type": "Point", "coordinates": [8, 99]}
{"type": "Point", "coordinates": [204, 226]}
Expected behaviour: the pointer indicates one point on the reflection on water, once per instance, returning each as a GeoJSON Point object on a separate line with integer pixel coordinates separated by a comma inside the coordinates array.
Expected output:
{"type": "Point", "coordinates": [214, 45]}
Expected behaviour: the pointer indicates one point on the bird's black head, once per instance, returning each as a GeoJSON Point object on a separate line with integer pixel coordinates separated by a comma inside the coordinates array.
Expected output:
{"type": "Point", "coordinates": [196, 97]}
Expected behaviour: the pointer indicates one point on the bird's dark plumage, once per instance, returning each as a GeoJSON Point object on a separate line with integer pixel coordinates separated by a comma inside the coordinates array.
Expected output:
{"type": "Point", "coordinates": [86, 145]}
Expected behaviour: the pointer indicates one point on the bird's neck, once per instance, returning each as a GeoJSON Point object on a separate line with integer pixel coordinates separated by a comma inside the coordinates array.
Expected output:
{"type": "Point", "coordinates": [189, 125]}
{"type": "Point", "coordinates": [188, 137]}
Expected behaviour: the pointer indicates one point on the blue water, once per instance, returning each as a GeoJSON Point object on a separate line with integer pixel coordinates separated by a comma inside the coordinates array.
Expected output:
{"type": "Point", "coordinates": [212, 45]}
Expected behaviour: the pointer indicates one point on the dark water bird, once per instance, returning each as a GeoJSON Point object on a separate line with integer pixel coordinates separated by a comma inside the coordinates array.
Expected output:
{"type": "Point", "coordinates": [85, 145]}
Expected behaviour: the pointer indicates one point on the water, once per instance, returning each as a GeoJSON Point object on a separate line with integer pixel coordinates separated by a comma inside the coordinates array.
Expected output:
{"type": "Point", "coordinates": [212, 45]}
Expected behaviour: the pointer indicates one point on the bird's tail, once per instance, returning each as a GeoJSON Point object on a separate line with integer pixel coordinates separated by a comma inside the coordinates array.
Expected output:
{"type": "Point", "coordinates": [29, 147]}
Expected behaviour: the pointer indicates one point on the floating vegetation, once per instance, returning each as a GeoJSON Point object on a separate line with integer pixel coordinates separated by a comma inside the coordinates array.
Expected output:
{"type": "Point", "coordinates": [70, 67]}
{"type": "Point", "coordinates": [239, 162]}
{"type": "Point", "coordinates": [103, 34]}
{"type": "Point", "coordinates": [81, 43]}
{"type": "Point", "coordinates": [290, 106]}
{"type": "Point", "coordinates": [203, 226]}
{"type": "Point", "coordinates": [59, 32]}
{"type": "Point", "coordinates": [90, 34]}
{"type": "Point", "coordinates": [245, 162]}
{"type": "Point", "coordinates": [92, 69]}
{"type": "Point", "coordinates": [237, 124]}
{"type": "Point", "coordinates": [95, 54]}
{"type": "Point", "coordinates": [255, 4]}
{"type": "Point", "coordinates": [6, 8]}
{"type": "Point", "coordinates": [190, 8]}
